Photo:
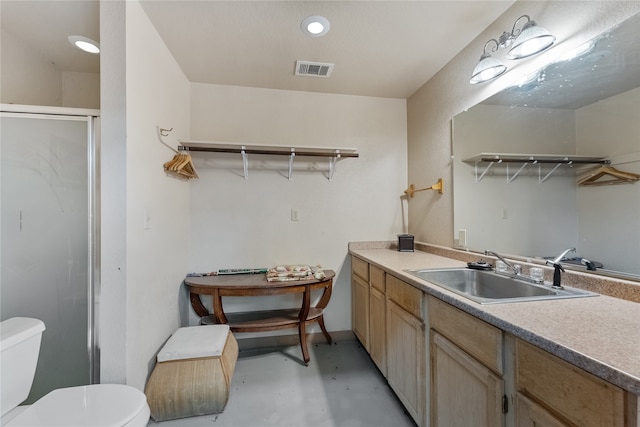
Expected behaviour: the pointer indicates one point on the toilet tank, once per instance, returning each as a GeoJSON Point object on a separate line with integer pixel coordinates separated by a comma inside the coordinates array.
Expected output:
{"type": "Point", "coordinates": [19, 349]}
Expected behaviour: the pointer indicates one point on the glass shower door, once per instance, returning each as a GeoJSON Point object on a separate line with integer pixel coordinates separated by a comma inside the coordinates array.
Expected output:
{"type": "Point", "coordinates": [46, 239]}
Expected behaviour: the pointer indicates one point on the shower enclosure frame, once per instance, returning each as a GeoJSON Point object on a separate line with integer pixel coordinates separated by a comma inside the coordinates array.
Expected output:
{"type": "Point", "coordinates": [92, 117]}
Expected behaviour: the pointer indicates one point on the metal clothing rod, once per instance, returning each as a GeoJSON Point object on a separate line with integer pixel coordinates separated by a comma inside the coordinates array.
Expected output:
{"type": "Point", "coordinates": [270, 151]}
{"type": "Point", "coordinates": [553, 161]}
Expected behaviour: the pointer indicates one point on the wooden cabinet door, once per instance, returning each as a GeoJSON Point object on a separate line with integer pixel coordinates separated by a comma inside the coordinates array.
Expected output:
{"type": "Point", "coordinates": [580, 398]}
{"type": "Point", "coordinates": [377, 329]}
{"type": "Point", "coordinates": [406, 359]}
{"type": "Point", "coordinates": [464, 392]}
{"type": "Point", "coordinates": [530, 414]}
{"type": "Point", "coordinates": [360, 309]}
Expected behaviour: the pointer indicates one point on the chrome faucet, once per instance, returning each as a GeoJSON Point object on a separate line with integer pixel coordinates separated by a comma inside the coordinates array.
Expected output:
{"type": "Point", "coordinates": [558, 269]}
{"type": "Point", "coordinates": [515, 269]}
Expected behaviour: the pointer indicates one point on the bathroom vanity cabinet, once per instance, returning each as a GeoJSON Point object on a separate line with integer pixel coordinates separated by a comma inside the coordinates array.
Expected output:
{"type": "Point", "coordinates": [553, 392]}
{"type": "Point", "coordinates": [360, 294]}
{"type": "Point", "coordinates": [378, 318]}
{"type": "Point", "coordinates": [467, 387]}
{"type": "Point", "coordinates": [387, 317]}
{"type": "Point", "coordinates": [368, 288]}
{"type": "Point", "coordinates": [406, 361]}
{"type": "Point", "coordinates": [449, 367]}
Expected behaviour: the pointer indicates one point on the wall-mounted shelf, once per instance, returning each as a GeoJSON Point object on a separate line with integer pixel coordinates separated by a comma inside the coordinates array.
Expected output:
{"type": "Point", "coordinates": [333, 154]}
{"type": "Point", "coordinates": [525, 160]}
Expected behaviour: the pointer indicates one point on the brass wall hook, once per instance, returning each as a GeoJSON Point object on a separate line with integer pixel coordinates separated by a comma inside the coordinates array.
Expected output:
{"type": "Point", "coordinates": [439, 186]}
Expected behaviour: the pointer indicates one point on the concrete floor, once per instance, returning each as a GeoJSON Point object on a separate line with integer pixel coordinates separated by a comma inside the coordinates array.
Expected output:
{"type": "Point", "coordinates": [341, 387]}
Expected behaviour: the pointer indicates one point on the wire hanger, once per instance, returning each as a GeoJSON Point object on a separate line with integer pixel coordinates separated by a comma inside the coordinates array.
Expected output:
{"type": "Point", "coordinates": [614, 176]}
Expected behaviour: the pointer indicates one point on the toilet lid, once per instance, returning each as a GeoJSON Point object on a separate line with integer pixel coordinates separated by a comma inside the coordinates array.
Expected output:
{"type": "Point", "coordinates": [98, 405]}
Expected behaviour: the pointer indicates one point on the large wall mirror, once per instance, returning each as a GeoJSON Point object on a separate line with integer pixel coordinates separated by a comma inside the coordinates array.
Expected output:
{"type": "Point", "coordinates": [525, 159]}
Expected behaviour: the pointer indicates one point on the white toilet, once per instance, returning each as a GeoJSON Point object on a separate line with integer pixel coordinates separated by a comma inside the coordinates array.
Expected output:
{"type": "Point", "coordinates": [104, 405]}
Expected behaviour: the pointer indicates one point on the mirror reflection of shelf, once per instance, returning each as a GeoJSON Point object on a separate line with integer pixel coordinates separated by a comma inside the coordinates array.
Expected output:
{"type": "Point", "coordinates": [332, 154]}
{"type": "Point", "coordinates": [525, 160]}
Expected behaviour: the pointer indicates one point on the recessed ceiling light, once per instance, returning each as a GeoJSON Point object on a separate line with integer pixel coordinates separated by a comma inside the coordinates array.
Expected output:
{"type": "Point", "coordinates": [84, 43]}
{"type": "Point", "coordinates": [315, 26]}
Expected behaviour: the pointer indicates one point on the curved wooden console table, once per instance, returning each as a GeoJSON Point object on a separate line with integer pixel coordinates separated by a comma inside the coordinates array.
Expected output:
{"type": "Point", "coordinates": [259, 321]}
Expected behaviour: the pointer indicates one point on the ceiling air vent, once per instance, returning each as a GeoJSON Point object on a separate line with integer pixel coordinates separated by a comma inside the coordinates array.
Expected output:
{"type": "Point", "coordinates": [313, 69]}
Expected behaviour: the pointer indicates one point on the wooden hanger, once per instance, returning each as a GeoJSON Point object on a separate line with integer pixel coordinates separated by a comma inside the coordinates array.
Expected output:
{"type": "Point", "coordinates": [181, 165]}
{"type": "Point", "coordinates": [615, 177]}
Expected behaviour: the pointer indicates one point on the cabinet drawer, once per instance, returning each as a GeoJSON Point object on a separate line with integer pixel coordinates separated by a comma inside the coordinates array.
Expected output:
{"type": "Point", "coordinates": [478, 338]}
{"type": "Point", "coordinates": [583, 399]}
{"type": "Point", "coordinates": [405, 295]}
{"type": "Point", "coordinates": [377, 278]}
{"type": "Point", "coordinates": [360, 267]}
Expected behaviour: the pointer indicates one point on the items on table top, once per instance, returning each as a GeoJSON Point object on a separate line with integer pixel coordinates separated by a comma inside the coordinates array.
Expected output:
{"type": "Point", "coordinates": [284, 273]}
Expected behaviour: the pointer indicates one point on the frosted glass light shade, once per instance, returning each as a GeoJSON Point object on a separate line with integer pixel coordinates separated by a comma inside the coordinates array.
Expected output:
{"type": "Point", "coordinates": [488, 68]}
{"type": "Point", "coordinates": [532, 40]}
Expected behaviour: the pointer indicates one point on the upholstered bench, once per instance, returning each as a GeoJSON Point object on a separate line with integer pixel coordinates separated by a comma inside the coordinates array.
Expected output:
{"type": "Point", "coordinates": [193, 373]}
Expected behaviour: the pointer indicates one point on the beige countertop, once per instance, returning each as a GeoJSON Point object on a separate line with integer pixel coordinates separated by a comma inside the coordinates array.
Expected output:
{"type": "Point", "coordinates": [598, 334]}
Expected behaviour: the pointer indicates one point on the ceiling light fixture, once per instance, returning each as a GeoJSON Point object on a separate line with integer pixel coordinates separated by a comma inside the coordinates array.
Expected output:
{"type": "Point", "coordinates": [527, 41]}
{"type": "Point", "coordinates": [85, 44]}
{"type": "Point", "coordinates": [315, 26]}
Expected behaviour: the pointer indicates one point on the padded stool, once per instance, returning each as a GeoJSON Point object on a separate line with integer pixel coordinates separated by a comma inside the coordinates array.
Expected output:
{"type": "Point", "coordinates": [193, 373]}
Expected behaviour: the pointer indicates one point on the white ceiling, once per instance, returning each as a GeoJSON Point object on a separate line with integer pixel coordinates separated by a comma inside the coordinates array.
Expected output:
{"type": "Point", "coordinates": [379, 48]}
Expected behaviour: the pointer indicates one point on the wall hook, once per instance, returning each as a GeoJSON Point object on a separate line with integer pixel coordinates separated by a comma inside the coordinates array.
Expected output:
{"type": "Point", "coordinates": [165, 132]}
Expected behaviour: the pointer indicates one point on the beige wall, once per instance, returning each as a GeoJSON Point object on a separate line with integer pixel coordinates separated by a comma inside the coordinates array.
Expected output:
{"type": "Point", "coordinates": [29, 78]}
{"type": "Point", "coordinates": [157, 204]}
{"type": "Point", "coordinates": [500, 213]}
{"type": "Point", "coordinates": [238, 223]}
{"type": "Point", "coordinates": [145, 213]}
{"type": "Point", "coordinates": [26, 77]}
{"type": "Point", "coordinates": [431, 108]}
{"type": "Point", "coordinates": [615, 123]}
{"type": "Point", "coordinates": [81, 90]}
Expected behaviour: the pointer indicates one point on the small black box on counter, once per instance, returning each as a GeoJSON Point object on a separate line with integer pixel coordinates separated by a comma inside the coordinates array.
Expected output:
{"type": "Point", "coordinates": [405, 242]}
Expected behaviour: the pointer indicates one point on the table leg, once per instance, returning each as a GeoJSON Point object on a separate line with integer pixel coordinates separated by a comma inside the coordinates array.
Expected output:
{"type": "Point", "coordinates": [218, 311]}
{"type": "Point", "coordinates": [324, 329]}
{"type": "Point", "coordinates": [302, 325]}
{"type": "Point", "coordinates": [322, 304]}
{"type": "Point", "coordinates": [197, 305]}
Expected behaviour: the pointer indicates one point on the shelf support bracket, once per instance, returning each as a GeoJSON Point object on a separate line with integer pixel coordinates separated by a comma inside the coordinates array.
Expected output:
{"type": "Point", "coordinates": [541, 180]}
{"type": "Point", "coordinates": [291, 157]}
{"type": "Point", "coordinates": [479, 178]}
{"type": "Point", "coordinates": [245, 162]}
{"type": "Point", "coordinates": [524, 165]}
{"type": "Point", "coordinates": [332, 164]}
